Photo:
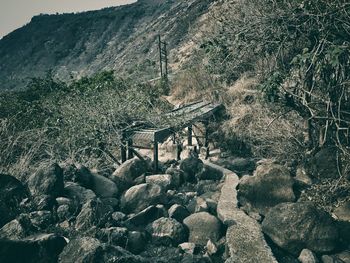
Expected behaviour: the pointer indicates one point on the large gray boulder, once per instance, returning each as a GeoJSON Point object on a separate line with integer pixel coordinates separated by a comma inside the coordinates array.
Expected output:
{"type": "Point", "coordinates": [12, 192]}
{"type": "Point", "coordinates": [166, 181]}
{"type": "Point", "coordinates": [78, 193]}
{"type": "Point", "coordinates": [342, 215]}
{"type": "Point", "coordinates": [203, 226]}
{"type": "Point", "coordinates": [93, 213]}
{"type": "Point", "coordinates": [43, 248]}
{"type": "Point", "coordinates": [295, 226]}
{"type": "Point", "coordinates": [209, 173]}
{"type": "Point", "coordinates": [191, 166]}
{"type": "Point", "coordinates": [141, 196]}
{"type": "Point", "coordinates": [136, 241]}
{"type": "Point", "coordinates": [324, 164]}
{"type": "Point", "coordinates": [146, 216]}
{"type": "Point", "coordinates": [102, 186]}
{"type": "Point", "coordinates": [117, 236]}
{"type": "Point", "coordinates": [125, 174]}
{"type": "Point", "coordinates": [87, 249]}
{"type": "Point", "coordinates": [270, 185]}
{"type": "Point", "coordinates": [47, 180]}
{"type": "Point", "coordinates": [16, 229]}
{"type": "Point", "coordinates": [178, 212]}
{"type": "Point", "coordinates": [307, 256]}
{"type": "Point", "coordinates": [167, 231]}
{"type": "Point", "coordinates": [41, 219]}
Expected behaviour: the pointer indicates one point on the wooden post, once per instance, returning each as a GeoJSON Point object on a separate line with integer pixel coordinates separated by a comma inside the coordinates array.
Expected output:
{"type": "Point", "coordinates": [189, 135]}
{"type": "Point", "coordinates": [123, 151]}
{"type": "Point", "coordinates": [160, 56]}
{"type": "Point", "coordinates": [178, 151]}
{"type": "Point", "coordinates": [155, 156]}
{"type": "Point", "coordinates": [130, 152]}
{"type": "Point", "coordinates": [206, 140]}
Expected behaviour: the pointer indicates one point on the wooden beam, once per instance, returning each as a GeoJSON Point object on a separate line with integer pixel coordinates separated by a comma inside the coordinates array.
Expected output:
{"type": "Point", "coordinates": [123, 152]}
{"type": "Point", "coordinates": [155, 156]}
{"type": "Point", "coordinates": [189, 135]}
{"type": "Point", "coordinates": [130, 152]}
{"type": "Point", "coordinates": [206, 140]}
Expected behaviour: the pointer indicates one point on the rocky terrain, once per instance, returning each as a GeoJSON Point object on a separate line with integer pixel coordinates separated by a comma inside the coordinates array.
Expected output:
{"type": "Point", "coordinates": [191, 211]}
{"type": "Point", "coordinates": [276, 185]}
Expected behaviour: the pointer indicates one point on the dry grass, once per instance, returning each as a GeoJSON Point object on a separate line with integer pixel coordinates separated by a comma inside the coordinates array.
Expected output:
{"type": "Point", "coordinates": [20, 151]}
{"type": "Point", "coordinates": [196, 84]}
{"type": "Point", "coordinates": [268, 132]}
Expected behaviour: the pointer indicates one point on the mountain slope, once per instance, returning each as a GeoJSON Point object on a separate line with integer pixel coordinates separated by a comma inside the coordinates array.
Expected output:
{"type": "Point", "coordinates": [120, 38]}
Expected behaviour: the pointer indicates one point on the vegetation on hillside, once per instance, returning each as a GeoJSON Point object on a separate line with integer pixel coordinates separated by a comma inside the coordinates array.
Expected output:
{"type": "Point", "coordinates": [283, 69]}
{"type": "Point", "coordinates": [79, 122]}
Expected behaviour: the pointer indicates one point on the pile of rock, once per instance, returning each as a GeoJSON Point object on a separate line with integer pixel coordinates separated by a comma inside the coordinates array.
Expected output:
{"type": "Point", "coordinates": [68, 213]}
{"type": "Point", "coordinates": [298, 231]}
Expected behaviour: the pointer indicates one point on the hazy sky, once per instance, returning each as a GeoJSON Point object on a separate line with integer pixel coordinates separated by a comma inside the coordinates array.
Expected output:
{"type": "Point", "coordinates": [16, 13]}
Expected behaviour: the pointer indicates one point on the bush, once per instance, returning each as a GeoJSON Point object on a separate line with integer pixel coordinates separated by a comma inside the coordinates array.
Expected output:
{"type": "Point", "coordinates": [79, 121]}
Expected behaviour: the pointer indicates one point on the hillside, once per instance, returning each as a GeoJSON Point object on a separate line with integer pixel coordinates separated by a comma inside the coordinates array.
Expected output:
{"type": "Point", "coordinates": [241, 156]}
{"type": "Point", "coordinates": [122, 38]}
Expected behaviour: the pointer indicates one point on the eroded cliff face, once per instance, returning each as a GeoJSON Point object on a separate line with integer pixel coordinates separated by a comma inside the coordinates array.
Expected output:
{"type": "Point", "coordinates": [121, 38]}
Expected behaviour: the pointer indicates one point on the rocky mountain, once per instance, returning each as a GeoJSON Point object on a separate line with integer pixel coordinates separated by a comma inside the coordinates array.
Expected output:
{"type": "Point", "coordinates": [123, 39]}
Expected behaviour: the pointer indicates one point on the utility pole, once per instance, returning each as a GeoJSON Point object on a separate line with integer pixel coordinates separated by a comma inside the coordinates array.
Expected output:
{"type": "Point", "coordinates": [163, 58]}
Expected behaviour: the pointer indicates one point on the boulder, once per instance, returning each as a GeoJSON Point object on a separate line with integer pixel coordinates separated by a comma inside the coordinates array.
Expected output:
{"type": "Point", "coordinates": [178, 212]}
{"type": "Point", "coordinates": [16, 229]}
{"type": "Point", "coordinates": [136, 241]}
{"type": "Point", "coordinates": [197, 204]}
{"type": "Point", "coordinates": [343, 257]}
{"type": "Point", "coordinates": [12, 192]}
{"type": "Point", "coordinates": [118, 218]}
{"type": "Point", "coordinates": [43, 248]}
{"type": "Point", "coordinates": [342, 215]}
{"type": "Point", "coordinates": [241, 165]}
{"type": "Point", "coordinates": [82, 176]}
{"type": "Point", "coordinates": [178, 198]}
{"type": "Point", "coordinates": [205, 186]}
{"type": "Point", "coordinates": [93, 213]}
{"type": "Point", "coordinates": [167, 231]}
{"type": "Point", "coordinates": [203, 226]}
{"type": "Point", "coordinates": [45, 202]}
{"type": "Point", "coordinates": [191, 166]}
{"type": "Point", "coordinates": [140, 180]}
{"type": "Point", "coordinates": [41, 219]}
{"type": "Point", "coordinates": [294, 226]}
{"type": "Point", "coordinates": [146, 216]}
{"type": "Point", "coordinates": [47, 180]}
{"type": "Point", "coordinates": [64, 213]}
{"type": "Point", "coordinates": [117, 236]}
{"type": "Point", "coordinates": [111, 201]}
{"type": "Point", "coordinates": [188, 248]}
{"type": "Point", "coordinates": [102, 186]}
{"type": "Point", "coordinates": [342, 212]}
{"type": "Point", "coordinates": [177, 174]}
{"type": "Point", "coordinates": [87, 249]}
{"type": "Point", "coordinates": [307, 256]}
{"type": "Point", "coordinates": [270, 185]}
{"type": "Point", "coordinates": [69, 171]}
{"type": "Point", "coordinates": [163, 180]}
{"type": "Point", "coordinates": [78, 193]}
{"type": "Point", "coordinates": [141, 196]}
{"type": "Point", "coordinates": [63, 201]}
{"type": "Point", "coordinates": [211, 248]}
{"type": "Point", "coordinates": [302, 178]}
{"type": "Point", "coordinates": [125, 174]}
{"type": "Point", "coordinates": [324, 164]}
{"type": "Point", "coordinates": [209, 173]}
{"type": "Point", "coordinates": [162, 254]}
